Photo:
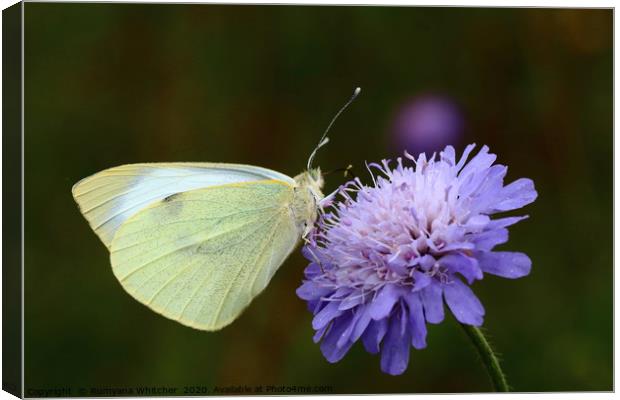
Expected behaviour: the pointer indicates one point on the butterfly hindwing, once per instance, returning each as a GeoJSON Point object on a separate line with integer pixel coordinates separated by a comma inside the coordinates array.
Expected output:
{"type": "Point", "coordinates": [199, 257]}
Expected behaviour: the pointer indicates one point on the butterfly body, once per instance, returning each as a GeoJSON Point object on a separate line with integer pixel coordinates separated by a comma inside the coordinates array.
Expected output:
{"type": "Point", "coordinates": [306, 199]}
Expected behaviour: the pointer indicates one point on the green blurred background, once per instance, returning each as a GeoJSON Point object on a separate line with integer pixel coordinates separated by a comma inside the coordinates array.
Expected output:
{"type": "Point", "coordinates": [108, 84]}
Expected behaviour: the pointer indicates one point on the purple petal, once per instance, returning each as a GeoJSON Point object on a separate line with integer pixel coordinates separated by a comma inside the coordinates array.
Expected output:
{"type": "Point", "coordinates": [312, 270]}
{"type": "Point", "coordinates": [309, 254]}
{"type": "Point", "coordinates": [345, 337]}
{"type": "Point", "coordinates": [449, 233]}
{"type": "Point", "coordinates": [448, 154]}
{"type": "Point", "coordinates": [479, 163]}
{"type": "Point", "coordinates": [477, 223]}
{"type": "Point", "coordinates": [433, 303]}
{"type": "Point", "coordinates": [505, 222]}
{"type": "Point", "coordinates": [426, 262]}
{"type": "Point", "coordinates": [362, 323]}
{"type": "Point", "coordinates": [329, 312]}
{"type": "Point", "coordinates": [373, 335]}
{"type": "Point", "coordinates": [463, 158]}
{"type": "Point", "coordinates": [329, 346]}
{"type": "Point", "coordinates": [466, 266]}
{"type": "Point", "coordinates": [381, 305]}
{"type": "Point", "coordinates": [489, 239]}
{"type": "Point", "coordinates": [421, 280]}
{"type": "Point", "coordinates": [516, 195]}
{"type": "Point", "coordinates": [310, 290]}
{"type": "Point", "coordinates": [354, 299]}
{"type": "Point", "coordinates": [463, 303]}
{"type": "Point", "coordinates": [506, 264]}
{"type": "Point", "coordinates": [398, 263]}
{"type": "Point", "coordinates": [416, 320]}
{"type": "Point", "coordinates": [487, 187]}
{"type": "Point", "coordinates": [395, 348]}
{"type": "Point", "coordinates": [318, 335]}
{"type": "Point", "coordinates": [458, 245]}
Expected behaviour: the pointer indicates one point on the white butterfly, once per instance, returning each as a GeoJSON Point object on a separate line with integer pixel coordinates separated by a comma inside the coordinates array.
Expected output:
{"type": "Point", "coordinates": [196, 242]}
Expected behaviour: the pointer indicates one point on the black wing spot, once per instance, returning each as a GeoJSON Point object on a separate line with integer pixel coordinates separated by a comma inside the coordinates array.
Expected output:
{"type": "Point", "coordinates": [173, 208]}
{"type": "Point", "coordinates": [171, 197]}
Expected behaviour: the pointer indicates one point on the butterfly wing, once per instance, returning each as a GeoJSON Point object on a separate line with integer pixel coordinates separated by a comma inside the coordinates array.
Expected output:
{"type": "Point", "coordinates": [110, 197]}
{"type": "Point", "coordinates": [200, 257]}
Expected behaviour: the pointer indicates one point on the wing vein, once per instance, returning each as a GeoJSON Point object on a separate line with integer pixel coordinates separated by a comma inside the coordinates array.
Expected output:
{"type": "Point", "coordinates": [230, 285]}
{"type": "Point", "coordinates": [270, 256]}
{"type": "Point", "coordinates": [173, 278]}
{"type": "Point", "coordinates": [193, 243]}
{"type": "Point", "coordinates": [205, 279]}
{"type": "Point", "coordinates": [182, 221]}
{"type": "Point", "coordinates": [182, 288]}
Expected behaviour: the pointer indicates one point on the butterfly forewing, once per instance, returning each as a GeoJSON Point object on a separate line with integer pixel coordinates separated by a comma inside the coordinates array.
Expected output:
{"type": "Point", "coordinates": [200, 257]}
{"type": "Point", "coordinates": [110, 197]}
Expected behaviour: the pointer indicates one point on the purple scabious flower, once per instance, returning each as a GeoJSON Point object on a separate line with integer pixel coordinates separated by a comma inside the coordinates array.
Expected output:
{"type": "Point", "coordinates": [382, 263]}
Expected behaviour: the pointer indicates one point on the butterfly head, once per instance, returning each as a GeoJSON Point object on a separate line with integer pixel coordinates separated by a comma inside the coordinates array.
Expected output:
{"type": "Point", "coordinates": [312, 182]}
{"type": "Point", "coordinates": [315, 178]}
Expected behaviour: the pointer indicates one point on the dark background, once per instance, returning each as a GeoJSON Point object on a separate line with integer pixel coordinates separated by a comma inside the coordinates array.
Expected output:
{"type": "Point", "coordinates": [108, 84]}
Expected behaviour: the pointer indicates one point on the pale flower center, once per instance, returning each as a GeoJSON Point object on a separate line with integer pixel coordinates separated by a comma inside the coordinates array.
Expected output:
{"type": "Point", "coordinates": [394, 229]}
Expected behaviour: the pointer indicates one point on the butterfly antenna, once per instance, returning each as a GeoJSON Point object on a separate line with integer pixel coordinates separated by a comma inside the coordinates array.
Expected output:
{"type": "Point", "coordinates": [348, 171]}
{"type": "Point", "coordinates": [324, 139]}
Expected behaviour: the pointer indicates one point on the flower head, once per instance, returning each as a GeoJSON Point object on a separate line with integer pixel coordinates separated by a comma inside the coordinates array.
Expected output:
{"type": "Point", "coordinates": [383, 262]}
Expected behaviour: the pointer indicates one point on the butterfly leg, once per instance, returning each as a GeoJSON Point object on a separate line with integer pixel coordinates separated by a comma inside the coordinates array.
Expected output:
{"type": "Point", "coordinates": [316, 259]}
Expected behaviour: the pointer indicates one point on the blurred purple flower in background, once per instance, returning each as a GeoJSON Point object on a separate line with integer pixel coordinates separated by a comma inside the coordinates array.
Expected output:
{"type": "Point", "coordinates": [427, 124]}
{"type": "Point", "coordinates": [384, 262]}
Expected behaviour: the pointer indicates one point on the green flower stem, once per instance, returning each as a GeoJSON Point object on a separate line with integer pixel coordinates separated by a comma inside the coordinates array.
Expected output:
{"type": "Point", "coordinates": [488, 357]}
